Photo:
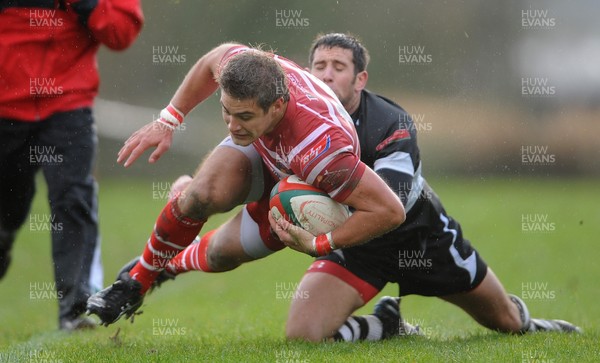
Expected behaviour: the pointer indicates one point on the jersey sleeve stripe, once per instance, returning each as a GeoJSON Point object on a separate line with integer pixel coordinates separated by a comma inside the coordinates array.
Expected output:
{"type": "Point", "coordinates": [398, 161]}
{"type": "Point", "coordinates": [321, 165]}
{"type": "Point", "coordinates": [337, 191]}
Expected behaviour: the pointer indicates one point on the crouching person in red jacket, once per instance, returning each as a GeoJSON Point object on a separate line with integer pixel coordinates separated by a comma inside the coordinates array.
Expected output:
{"type": "Point", "coordinates": [48, 81]}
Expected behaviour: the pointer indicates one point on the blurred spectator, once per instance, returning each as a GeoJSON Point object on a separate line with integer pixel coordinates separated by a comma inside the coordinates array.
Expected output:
{"type": "Point", "coordinates": [48, 81]}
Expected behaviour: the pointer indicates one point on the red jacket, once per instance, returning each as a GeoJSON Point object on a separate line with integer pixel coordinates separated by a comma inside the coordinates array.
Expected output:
{"type": "Point", "coordinates": [48, 52]}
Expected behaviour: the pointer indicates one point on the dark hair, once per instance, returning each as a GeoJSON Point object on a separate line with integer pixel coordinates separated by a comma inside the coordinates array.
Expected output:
{"type": "Point", "coordinates": [254, 75]}
{"type": "Point", "coordinates": [360, 54]}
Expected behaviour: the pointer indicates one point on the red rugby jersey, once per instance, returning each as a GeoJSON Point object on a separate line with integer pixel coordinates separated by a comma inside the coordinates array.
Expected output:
{"type": "Point", "coordinates": [315, 139]}
{"type": "Point", "coordinates": [48, 57]}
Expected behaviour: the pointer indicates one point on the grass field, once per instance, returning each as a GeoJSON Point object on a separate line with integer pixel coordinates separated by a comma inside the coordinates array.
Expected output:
{"type": "Point", "coordinates": [537, 235]}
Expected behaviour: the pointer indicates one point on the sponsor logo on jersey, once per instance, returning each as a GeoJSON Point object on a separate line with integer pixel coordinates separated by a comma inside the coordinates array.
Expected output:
{"type": "Point", "coordinates": [317, 150]}
{"type": "Point", "coordinates": [398, 135]}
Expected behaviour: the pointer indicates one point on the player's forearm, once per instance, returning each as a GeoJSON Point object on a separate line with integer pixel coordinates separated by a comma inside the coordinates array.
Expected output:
{"type": "Point", "coordinates": [200, 81]}
{"type": "Point", "coordinates": [360, 228]}
{"type": "Point", "coordinates": [377, 210]}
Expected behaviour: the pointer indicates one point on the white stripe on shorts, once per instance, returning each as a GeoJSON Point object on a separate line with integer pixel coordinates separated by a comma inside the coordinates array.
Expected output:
{"type": "Point", "coordinates": [250, 238]}
{"type": "Point", "coordinates": [257, 187]}
{"type": "Point", "coordinates": [470, 263]}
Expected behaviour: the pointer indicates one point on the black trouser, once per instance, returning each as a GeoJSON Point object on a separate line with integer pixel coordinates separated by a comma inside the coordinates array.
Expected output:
{"type": "Point", "coordinates": [63, 146]}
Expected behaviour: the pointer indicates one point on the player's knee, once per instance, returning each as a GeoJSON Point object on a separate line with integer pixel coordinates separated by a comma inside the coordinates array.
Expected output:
{"type": "Point", "coordinates": [306, 328]}
{"type": "Point", "coordinates": [305, 331]}
{"type": "Point", "coordinates": [221, 262]}
{"type": "Point", "coordinates": [203, 201]}
{"type": "Point", "coordinates": [508, 321]}
{"type": "Point", "coordinates": [398, 215]}
{"type": "Point", "coordinates": [196, 204]}
{"type": "Point", "coordinates": [513, 322]}
{"type": "Point", "coordinates": [180, 184]}
{"type": "Point", "coordinates": [220, 258]}
{"type": "Point", "coordinates": [508, 326]}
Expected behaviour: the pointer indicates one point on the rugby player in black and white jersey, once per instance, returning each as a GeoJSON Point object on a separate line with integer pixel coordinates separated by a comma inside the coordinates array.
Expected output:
{"type": "Point", "coordinates": [427, 255]}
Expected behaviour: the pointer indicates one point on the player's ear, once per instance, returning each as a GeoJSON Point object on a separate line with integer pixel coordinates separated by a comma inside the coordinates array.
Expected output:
{"type": "Point", "coordinates": [278, 104]}
{"type": "Point", "coordinates": [361, 80]}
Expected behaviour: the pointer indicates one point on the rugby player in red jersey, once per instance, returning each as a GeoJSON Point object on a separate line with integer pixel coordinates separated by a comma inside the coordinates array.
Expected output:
{"type": "Point", "coordinates": [281, 121]}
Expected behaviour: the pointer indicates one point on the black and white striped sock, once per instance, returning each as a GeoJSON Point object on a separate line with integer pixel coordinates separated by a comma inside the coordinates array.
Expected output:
{"type": "Point", "coordinates": [366, 327]}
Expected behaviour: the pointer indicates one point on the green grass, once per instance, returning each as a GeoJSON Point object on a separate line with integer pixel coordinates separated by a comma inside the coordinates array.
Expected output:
{"type": "Point", "coordinates": [237, 317]}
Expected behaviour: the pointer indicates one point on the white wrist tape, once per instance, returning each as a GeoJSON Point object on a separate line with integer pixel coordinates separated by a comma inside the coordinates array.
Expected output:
{"type": "Point", "coordinates": [171, 117]}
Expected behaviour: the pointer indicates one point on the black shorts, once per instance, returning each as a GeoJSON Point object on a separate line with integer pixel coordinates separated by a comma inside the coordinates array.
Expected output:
{"type": "Point", "coordinates": [433, 260]}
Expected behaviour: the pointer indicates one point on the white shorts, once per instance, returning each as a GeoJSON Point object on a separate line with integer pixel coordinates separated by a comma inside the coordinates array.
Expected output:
{"type": "Point", "coordinates": [255, 231]}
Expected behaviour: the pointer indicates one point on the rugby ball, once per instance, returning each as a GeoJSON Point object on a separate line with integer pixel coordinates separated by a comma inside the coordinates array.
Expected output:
{"type": "Point", "coordinates": [306, 206]}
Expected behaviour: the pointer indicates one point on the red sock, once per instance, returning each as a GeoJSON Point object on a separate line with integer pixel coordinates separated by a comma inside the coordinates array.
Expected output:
{"type": "Point", "coordinates": [172, 233]}
{"type": "Point", "coordinates": [193, 257]}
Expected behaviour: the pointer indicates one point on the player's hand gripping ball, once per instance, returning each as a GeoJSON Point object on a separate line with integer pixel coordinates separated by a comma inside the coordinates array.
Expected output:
{"type": "Point", "coordinates": [305, 206]}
